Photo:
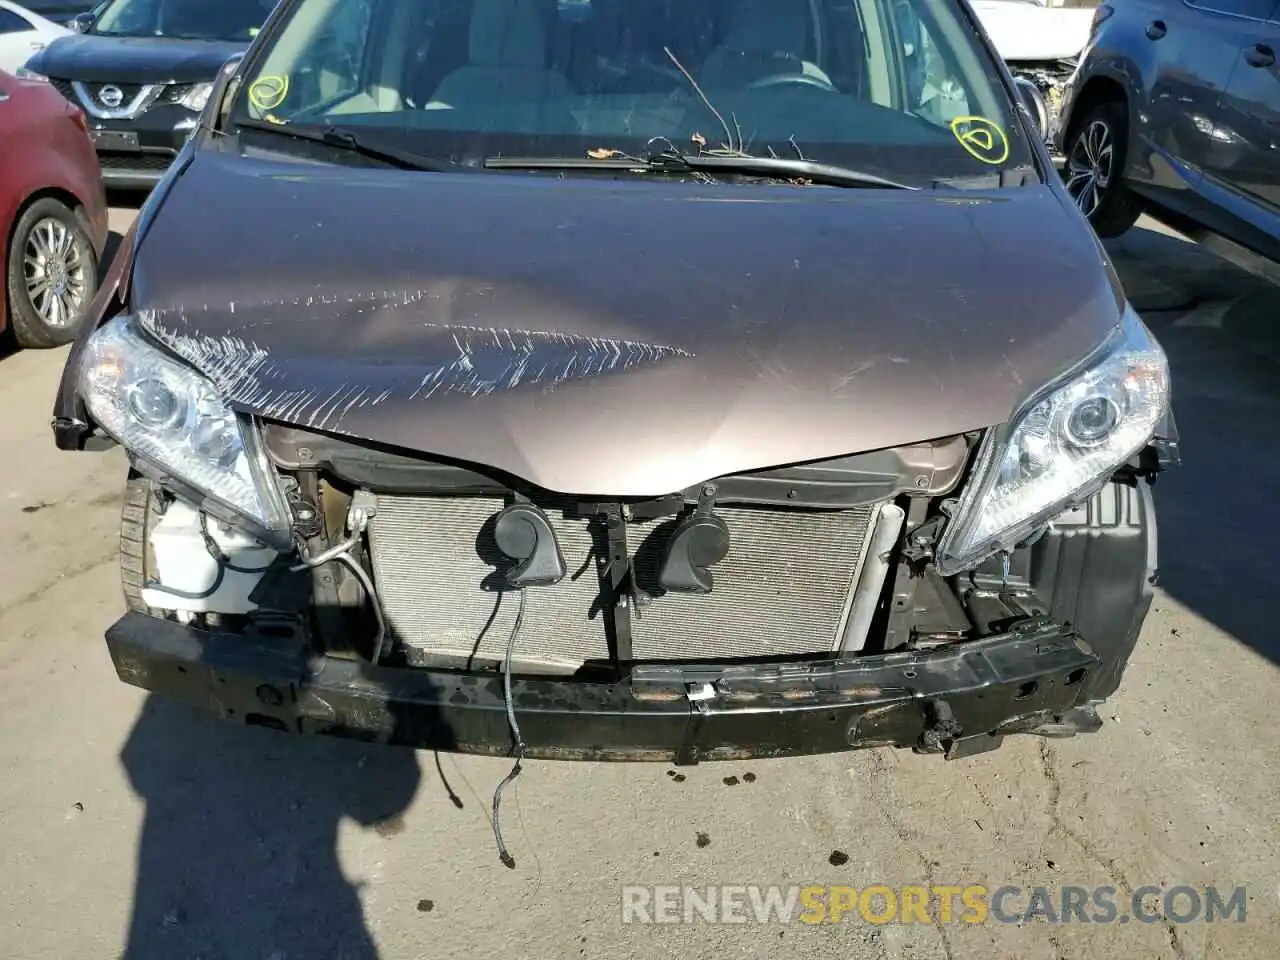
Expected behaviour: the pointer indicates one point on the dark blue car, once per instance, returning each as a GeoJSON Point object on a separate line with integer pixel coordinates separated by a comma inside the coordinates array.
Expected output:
{"type": "Point", "coordinates": [59, 11]}
{"type": "Point", "coordinates": [1175, 111]}
{"type": "Point", "coordinates": [142, 70]}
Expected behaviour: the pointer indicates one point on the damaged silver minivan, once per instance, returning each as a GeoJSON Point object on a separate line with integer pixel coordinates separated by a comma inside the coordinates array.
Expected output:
{"type": "Point", "coordinates": [625, 379]}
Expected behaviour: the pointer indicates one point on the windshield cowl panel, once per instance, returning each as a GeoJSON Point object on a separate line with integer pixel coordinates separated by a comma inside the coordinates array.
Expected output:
{"type": "Point", "coordinates": [904, 90]}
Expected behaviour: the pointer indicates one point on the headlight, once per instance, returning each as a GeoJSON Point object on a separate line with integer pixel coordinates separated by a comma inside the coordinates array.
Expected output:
{"type": "Point", "coordinates": [22, 73]}
{"type": "Point", "coordinates": [195, 98]}
{"type": "Point", "coordinates": [166, 413]}
{"type": "Point", "coordinates": [1061, 447]}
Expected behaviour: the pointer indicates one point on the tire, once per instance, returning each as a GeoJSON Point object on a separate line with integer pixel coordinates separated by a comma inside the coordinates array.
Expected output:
{"type": "Point", "coordinates": [49, 244]}
{"type": "Point", "coordinates": [139, 514]}
{"type": "Point", "coordinates": [1096, 153]}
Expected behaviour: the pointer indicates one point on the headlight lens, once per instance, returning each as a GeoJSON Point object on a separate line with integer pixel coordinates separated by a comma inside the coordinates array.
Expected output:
{"type": "Point", "coordinates": [1061, 447]}
{"type": "Point", "coordinates": [195, 98]}
{"type": "Point", "coordinates": [22, 73]}
{"type": "Point", "coordinates": [165, 412]}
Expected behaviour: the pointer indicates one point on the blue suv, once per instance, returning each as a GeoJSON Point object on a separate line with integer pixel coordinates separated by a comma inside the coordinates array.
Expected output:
{"type": "Point", "coordinates": [1174, 110]}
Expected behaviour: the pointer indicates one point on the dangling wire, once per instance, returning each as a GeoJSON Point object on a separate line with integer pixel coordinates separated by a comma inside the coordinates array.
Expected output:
{"type": "Point", "coordinates": [509, 861]}
{"type": "Point", "coordinates": [342, 553]}
{"type": "Point", "coordinates": [221, 560]}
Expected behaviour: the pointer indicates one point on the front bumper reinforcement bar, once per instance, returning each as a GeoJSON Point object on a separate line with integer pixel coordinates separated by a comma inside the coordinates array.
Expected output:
{"type": "Point", "coordinates": [955, 700]}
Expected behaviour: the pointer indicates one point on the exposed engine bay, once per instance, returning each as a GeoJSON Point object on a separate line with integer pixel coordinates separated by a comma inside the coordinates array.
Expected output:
{"type": "Point", "coordinates": [788, 563]}
{"type": "Point", "coordinates": [1050, 78]}
{"type": "Point", "coordinates": [1041, 42]}
{"type": "Point", "coordinates": [417, 563]}
{"type": "Point", "coordinates": [793, 610]}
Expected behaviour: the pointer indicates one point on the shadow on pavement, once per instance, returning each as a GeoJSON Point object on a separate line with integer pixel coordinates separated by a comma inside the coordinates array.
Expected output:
{"type": "Point", "coordinates": [238, 851]}
{"type": "Point", "coordinates": [1217, 511]}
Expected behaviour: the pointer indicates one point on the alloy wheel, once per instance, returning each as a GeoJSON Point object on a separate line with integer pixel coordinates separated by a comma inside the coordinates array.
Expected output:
{"type": "Point", "coordinates": [55, 270]}
{"type": "Point", "coordinates": [1089, 166]}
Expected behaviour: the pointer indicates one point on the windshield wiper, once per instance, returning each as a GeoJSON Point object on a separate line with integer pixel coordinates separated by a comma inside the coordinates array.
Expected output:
{"type": "Point", "coordinates": [779, 168]}
{"type": "Point", "coordinates": [341, 138]}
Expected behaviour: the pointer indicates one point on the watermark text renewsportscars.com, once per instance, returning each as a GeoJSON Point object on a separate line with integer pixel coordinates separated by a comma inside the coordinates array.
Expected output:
{"type": "Point", "coordinates": [935, 903]}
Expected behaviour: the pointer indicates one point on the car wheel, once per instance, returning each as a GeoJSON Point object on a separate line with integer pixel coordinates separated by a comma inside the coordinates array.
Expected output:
{"type": "Point", "coordinates": [1095, 158]}
{"type": "Point", "coordinates": [52, 275]}
{"type": "Point", "coordinates": [140, 513]}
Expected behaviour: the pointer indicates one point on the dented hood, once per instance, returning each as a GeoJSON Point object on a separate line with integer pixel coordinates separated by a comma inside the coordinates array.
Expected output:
{"type": "Point", "coordinates": [616, 338]}
{"type": "Point", "coordinates": [1022, 30]}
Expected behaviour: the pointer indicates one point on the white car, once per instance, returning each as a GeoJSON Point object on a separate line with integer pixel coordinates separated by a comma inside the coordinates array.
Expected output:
{"type": "Point", "coordinates": [1039, 42]}
{"type": "Point", "coordinates": [1026, 31]}
{"type": "Point", "coordinates": [22, 33]}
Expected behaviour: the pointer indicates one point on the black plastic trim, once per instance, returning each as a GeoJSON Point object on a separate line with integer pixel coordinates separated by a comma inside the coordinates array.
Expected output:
{"type": "Point", "coordinates": [1029, 680]}
{"type": "Point", "coordinates": [1095, 568]}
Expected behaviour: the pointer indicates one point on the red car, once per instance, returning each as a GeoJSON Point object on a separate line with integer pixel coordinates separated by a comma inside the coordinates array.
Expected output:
{"type": "Point", "coordinates": [53, 214]}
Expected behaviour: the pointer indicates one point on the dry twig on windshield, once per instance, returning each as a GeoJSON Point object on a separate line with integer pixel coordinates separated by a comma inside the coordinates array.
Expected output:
{"type": "Point", "coordinates": [608, 153]}
{"type": "Point", "coordinates": [698, 90]}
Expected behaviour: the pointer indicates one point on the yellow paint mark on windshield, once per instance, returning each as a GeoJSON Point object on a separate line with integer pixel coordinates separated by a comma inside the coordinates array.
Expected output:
{"type": "Point", "coordinates": [267, 93]}
{"type": "Point", "coordinates": [983, 139]}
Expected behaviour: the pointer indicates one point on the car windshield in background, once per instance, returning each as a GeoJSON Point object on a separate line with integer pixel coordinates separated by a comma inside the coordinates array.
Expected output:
{"type": "Point", "coordinates": [184, 19]}
{"type": "Point", "coordinates": [902, 89]}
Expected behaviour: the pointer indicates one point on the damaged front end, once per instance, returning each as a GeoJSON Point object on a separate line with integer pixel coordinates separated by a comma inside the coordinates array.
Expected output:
{"type": "Point", "coordinates": [497, 490]}
{"type": "Point", "coordinates": [1050, 79]}
{"type": "Point", "coordinates": [1041, 44]}
{"type": "Point", "coordinates": [937, 595]}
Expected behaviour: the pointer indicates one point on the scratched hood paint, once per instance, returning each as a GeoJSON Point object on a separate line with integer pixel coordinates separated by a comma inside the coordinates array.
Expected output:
{"type": "Point", "coordinates": [616, 338]}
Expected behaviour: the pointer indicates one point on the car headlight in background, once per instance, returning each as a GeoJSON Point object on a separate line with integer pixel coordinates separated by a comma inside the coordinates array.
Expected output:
{"type": "Point", "coordinates": [195, 98]}
{"type": "Point", "coordinates": [22, 73]}
{"type": "Point", "coordinates": [167, 414]}
{"type": "Point", "coordinates": [1061, 447]}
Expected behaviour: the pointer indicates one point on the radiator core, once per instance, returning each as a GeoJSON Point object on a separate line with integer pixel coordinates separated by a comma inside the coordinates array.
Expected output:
{"type": "Point", "coordinates": [784, 589]}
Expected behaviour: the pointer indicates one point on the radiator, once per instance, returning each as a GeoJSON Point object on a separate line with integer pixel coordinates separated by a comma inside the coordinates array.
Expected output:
{"type": "Point", "coordinates": [785, 587]}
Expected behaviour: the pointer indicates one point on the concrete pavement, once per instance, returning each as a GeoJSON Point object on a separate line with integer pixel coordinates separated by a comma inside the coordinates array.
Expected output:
{"type": "Point", "coordinates": [133, 827]}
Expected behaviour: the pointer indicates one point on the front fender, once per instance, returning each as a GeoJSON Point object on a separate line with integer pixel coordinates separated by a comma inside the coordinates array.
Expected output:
{"type": "Point", "coordinates": [1111, 61]}
{"type": "Point", "coordinates": [71, 424]}
{"type": "Point", "coordinates": [72, 427]}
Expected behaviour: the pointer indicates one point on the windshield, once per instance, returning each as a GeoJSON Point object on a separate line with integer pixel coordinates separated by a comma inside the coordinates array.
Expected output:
{"type": "Point", "coordinates": [903, 89]}
{"type": "Point", "coordinates": [184, 19]}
